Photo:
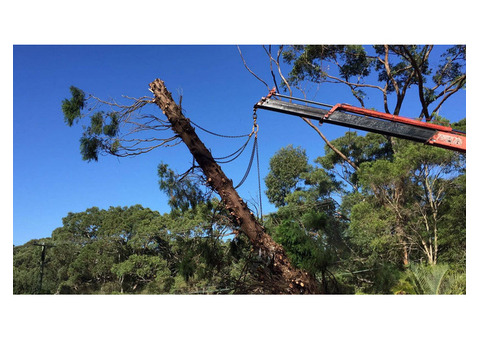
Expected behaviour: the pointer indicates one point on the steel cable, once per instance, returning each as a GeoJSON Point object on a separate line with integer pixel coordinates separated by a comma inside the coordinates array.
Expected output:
{"type": "Point", "coordinates": [259, 184]}
{"type": "Point", "coordinates": [218, 134]}
{"type": "Point", "coordinates": [252, 156]}
{"type": "Point", "coordinates": [239, 151]}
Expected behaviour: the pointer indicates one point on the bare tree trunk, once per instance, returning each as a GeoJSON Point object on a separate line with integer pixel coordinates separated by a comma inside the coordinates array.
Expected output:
{"type": "Point", "coordinates": [287, 279]}
{"type": "Point", "coordinates": [402, 239]}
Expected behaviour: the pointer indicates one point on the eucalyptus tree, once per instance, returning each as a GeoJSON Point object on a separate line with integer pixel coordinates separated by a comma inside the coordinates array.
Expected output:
{"type": "Point", "coordinates": [411, 193]}
{"type": "Point", "coordinates": [397, 69]}
{"type": "Point", "coordinates": [307, 222]}
{"type": "Point", "coordinates": [404, 205]}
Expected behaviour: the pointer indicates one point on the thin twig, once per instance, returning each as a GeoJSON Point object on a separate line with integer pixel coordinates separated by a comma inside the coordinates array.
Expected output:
{"type": "Point", "coordinates": [330, 145]}
{"type": "Point", "coordinates": [249, 70]}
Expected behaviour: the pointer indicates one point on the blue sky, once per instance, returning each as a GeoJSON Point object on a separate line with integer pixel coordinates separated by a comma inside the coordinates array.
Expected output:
{"type": "Point", "coordinates": [49, 177]}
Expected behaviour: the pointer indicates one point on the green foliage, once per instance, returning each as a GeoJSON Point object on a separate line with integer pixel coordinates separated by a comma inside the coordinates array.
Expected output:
{"type": "Point", "coordinates": [359, 149]}
{"type": "Point", "coordinates": [406, 203]}
{"type": "Point", "coordinates": [96, 124]}
{"type": "Point", "coordinates": [302, 250]}
{"type": "Point", "coordinates": [307, 61]}
{"type": "Point", "coordinates": [100, 135]}
{"type": "Point", "coordinates": [352, 248]}
{"type": "Point", "coordinates": [90, 147]}
{"type": "Point", "coordinates": [452, 233]}
{"type": "Point", "coordinates": [286, 168]}
{"type": "Point", "coordinates": [430, 280]}
{"type": "Point", "coordinates": [397, 69]}
{"type": "Point", "coordinates": [26, 268]}
{"type": "Point", "coordinates": [111, 129]}
{"type": "Point", "coordinates": [452, 65]}
{"type": "Point", "coordinates": [141, 267]}
{"type": "Point", "coordinates": [306, 224]}
{"type": "Point", "coordinates": [72, 107]}
{"type": "Point", "coordinates": [461, 125]}
{"type": "Point", "coordinates": [92, 142]}
{"type": "Point", "coordinates": [133, 250]}
{"type": "Point", "coordinates": [356, 63]}
{"type": "Point", "coordinates": [183, 194]}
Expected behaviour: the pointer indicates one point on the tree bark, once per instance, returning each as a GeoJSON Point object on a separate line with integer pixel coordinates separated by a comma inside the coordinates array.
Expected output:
{"type": "Point", "coordinates": [286, 278]}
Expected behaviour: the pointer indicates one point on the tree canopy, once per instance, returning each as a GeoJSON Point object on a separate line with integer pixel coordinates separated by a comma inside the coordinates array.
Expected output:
{"type": "Point", "coordinates": [398, 68]}
{"type": "Point", "coordinates": [404, 210]}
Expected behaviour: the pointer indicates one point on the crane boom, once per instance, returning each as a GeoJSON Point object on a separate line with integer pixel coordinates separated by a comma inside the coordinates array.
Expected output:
{"type": "Point", "coordinates": [372, 121]}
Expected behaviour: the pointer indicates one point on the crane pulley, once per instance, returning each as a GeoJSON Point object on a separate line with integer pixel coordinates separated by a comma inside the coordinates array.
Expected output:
{"type": "Point", "coordinates": [369, 120]}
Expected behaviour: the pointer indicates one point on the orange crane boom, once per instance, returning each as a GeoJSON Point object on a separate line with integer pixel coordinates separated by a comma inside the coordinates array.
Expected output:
{"type": "Point", "coordinates": [370, 120]}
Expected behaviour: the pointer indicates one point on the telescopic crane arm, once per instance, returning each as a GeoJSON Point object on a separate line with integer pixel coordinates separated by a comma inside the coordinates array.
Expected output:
{"type": "Point", "coordinates": [370, 120]}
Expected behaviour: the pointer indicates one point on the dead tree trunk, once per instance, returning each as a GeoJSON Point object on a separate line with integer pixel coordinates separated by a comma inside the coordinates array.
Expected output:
{"type": "Point", "coordinates": [287, 279]}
